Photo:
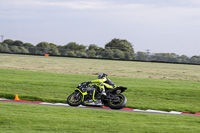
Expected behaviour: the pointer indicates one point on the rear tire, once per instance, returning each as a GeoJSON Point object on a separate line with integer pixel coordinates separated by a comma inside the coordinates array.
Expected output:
{"type": "Point", "coordinates": [72, 101]}
{"type": "Point", "coordinates": [119, 103]}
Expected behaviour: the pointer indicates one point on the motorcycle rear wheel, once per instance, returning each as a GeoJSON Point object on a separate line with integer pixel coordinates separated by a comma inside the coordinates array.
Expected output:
{"type": "Point", "coordinates": [72, 101]}
{"type": "Point", "coordinates": [119, 102]}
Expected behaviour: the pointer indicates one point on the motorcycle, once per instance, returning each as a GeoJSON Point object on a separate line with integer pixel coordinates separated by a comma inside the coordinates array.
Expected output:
{"type": "Point", "coordinates": [85, 94]}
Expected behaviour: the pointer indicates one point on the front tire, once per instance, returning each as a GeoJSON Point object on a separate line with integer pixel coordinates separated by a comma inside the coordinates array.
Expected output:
{"type": "Point", "coordinates": [117, 103]}
{"type": "Point", "coordinates": [73, 101]}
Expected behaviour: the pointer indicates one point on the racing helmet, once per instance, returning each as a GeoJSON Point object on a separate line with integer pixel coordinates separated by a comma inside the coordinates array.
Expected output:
{"type": "Point", "coordinates": [102, 75]}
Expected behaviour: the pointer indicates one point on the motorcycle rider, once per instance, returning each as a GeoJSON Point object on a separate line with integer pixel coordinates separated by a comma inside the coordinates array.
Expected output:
{"type": "Point", "coordinates": [104, 82]}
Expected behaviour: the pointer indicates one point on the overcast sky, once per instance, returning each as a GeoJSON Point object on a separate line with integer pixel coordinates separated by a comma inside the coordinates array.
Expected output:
{"type": "Point", "coordinates": [171, 26]}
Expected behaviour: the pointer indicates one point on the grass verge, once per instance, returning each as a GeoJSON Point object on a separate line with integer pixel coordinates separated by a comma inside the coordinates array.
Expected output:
{"type": "Point", "coordinates": [19, 118]}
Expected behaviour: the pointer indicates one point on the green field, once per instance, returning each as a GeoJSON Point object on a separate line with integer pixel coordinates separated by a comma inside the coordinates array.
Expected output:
{"type": "Point", "coordinates": [156, 86]}
{"type": "Point", "coordinates": [27, 118]}
{"type": "Point", "coordinates": [166, 95]}
{"type": "Point", "coordinates": [113, 68]}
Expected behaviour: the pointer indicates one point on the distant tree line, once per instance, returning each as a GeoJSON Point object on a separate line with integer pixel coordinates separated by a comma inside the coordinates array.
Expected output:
{"type": "Point", "coordinates": [167, 57]}
{"type": "Point", "coordinates": [115, 49]}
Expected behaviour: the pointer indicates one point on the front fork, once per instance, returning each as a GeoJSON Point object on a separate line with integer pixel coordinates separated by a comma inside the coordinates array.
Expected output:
{"type": "Point", "coordinates": [84, 94]}
{"type": "Point", "coordinates": [77, 95]}
{"type": "Point", "coordinates": [80, 92]}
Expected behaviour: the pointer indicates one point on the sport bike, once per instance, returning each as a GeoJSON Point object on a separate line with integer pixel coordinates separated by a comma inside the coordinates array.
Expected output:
{"type": "Point", "coordinates": [85, 94]}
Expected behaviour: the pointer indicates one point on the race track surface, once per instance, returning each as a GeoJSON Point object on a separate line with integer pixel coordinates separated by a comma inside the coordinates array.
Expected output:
{"type": "Point", "coordinates": [101, 107]}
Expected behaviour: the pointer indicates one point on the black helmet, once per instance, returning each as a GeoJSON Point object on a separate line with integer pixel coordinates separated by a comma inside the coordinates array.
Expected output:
{"type": "Point", "coordinates": [101, 75]}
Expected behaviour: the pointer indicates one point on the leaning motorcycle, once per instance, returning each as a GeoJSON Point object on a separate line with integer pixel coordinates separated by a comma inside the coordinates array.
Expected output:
{"type": "Point", "coordinates": [85, 94]}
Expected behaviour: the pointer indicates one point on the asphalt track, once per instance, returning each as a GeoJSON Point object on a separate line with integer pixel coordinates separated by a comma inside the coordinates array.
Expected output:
{"type": "Point", "coordinates": [100, 108]}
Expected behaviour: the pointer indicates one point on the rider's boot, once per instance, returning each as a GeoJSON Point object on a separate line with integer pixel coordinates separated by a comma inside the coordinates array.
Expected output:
{"type": "Point", "coordinates": [102, 89]}
{"type": "Point", "coordinates": [103, 92]}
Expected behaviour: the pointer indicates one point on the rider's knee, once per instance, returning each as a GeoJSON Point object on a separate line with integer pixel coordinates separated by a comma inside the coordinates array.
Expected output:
{"type": "Point", "coordinates": [101, 84]}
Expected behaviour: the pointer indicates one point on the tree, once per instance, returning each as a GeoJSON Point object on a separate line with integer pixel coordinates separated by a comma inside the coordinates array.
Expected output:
{"type": "Point", "coordinates": [4, 48]}
{"type": "Point", "coordinates": [61, 50]}
{"type": "Point", "coordinates": [42, 48]}
{"type": "Point", "coordinates": [108, 53]}
{"type": "Point", "coordinates": [54, 51]}
{"type": "Point", "coordinates": [28, 45]}
{"type": "Point", "coordinates": [18, 43]}
{"type": "Point", "coordinates": [15, 49]}
{"type": "Point", "coordinates": [70, 53]}
{"type": "Point", "coordinates": [95, 51]}
{"type": "Point", "coordinates": [24, 50]}
{"type": "Point", "coordinates": [52, 45]}
{"type": "Point", "coordinates": [60, 47]}
{"type": "Point", "coordinates": [195, 59]}
{"type": "Point", "coordinates": [122, 45]}
{"type": "Point", "coordinates": [141, 55]}
{"type": "Point", "coordinates": [166, 57]}
{"type": "Point", "coordinates": [47, 48]}
{"type": "Point", "coordinates": [129, 55]}
{"type": "Point", "coordinates": [9, 42]}
{"type": "Point", "coordinates": [118, 54]}
{"type": "Point", "coordinates": [91, 53]}
{"type": "Point", "coordinates": [74, 46]}
{"type": "Point", "coordinates": [81, 53]}
{"type": "Point", "coordinates": [43, 45]}
{"type": "Point", "coordinates": [184, 59]}
{"type": "Point", "coordinates": [28, 48]}
{"type": "Point", "coordinates": [95, 47]}
{"type": "Point", "coordinates": [173, 57]}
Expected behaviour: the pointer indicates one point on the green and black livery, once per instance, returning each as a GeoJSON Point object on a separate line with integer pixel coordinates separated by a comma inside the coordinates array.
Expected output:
{"type": "Point", "coordinates": [85, 94]}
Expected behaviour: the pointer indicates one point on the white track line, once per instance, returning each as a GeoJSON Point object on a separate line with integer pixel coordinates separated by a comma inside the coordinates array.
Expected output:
{"type": "Point", "coordinates": [44, 103]}
{"type": "Point", "coordinates": [134, 110]}
{"type": "Point", "coordinates": [174, 112]}
{"type": "Point", "coordinates": [157, 111]}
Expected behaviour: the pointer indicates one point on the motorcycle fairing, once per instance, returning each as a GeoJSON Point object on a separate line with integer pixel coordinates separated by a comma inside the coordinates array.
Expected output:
{"type": "Point", "coordinates": [85, 93]}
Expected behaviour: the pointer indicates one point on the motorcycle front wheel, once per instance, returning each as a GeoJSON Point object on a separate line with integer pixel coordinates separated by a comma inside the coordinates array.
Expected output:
{"type": "Point", "coordinates": [118, 102]}
{"type": "Point", "coordinates": [74, 100]}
